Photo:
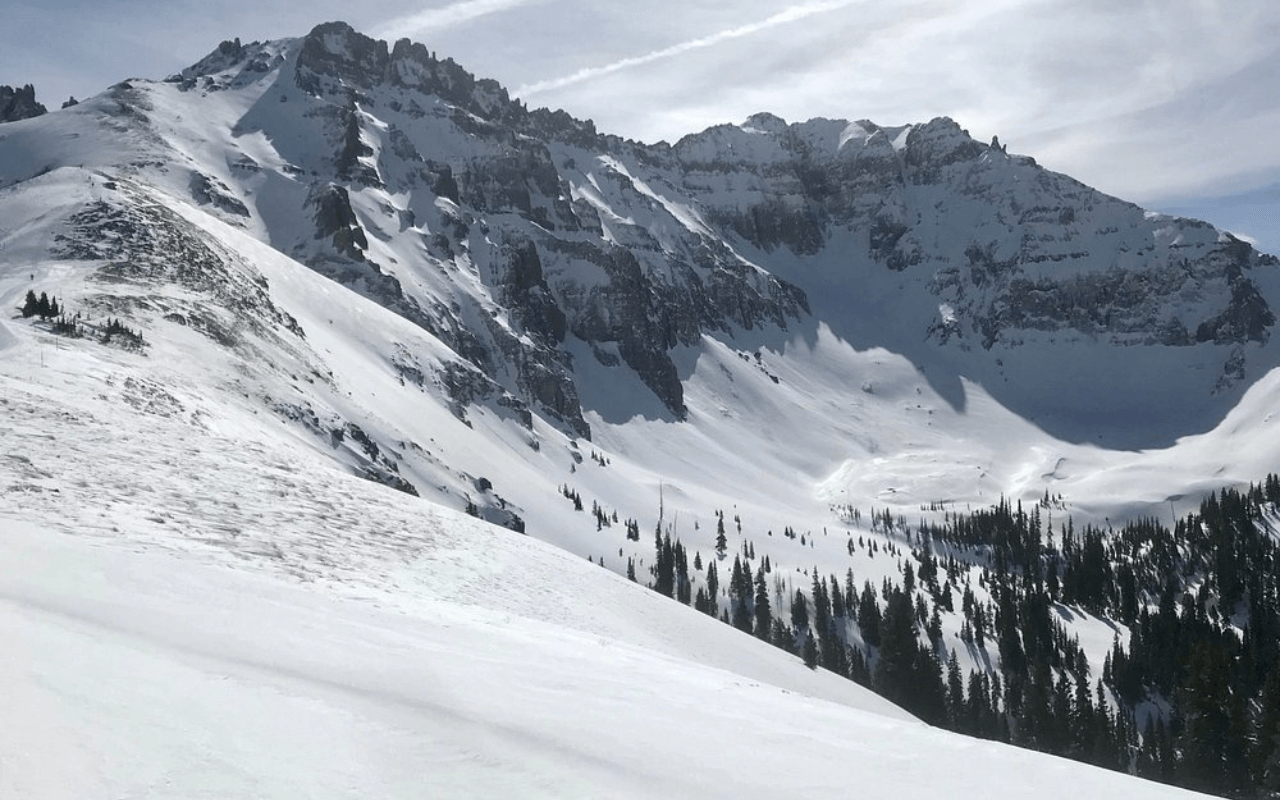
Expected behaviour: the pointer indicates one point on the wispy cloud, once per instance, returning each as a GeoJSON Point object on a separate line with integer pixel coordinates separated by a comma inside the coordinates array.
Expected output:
{"type": "Point", "coordinates": [435, 19]}
{"type": "Point", "coordinates": [787, 15]}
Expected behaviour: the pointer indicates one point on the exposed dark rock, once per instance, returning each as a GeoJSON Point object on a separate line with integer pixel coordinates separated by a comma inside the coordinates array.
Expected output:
{"type": "Point", "coordinates": [348, 162]}
{"type": "Point", "coordinates": [206, 191]}
{"type": "Point", "coordinates": [525, 292]}
{"type": "Point", "coordinates": [936, 145]}
{"type": "Point", "coordinates": [335, 51]}
{"type": "Point", "coordinates": [19, 103]}
{"type": "Point", "coordinates": [1246, 318]}
{"type": "Point", "coordinates": [336, 221]}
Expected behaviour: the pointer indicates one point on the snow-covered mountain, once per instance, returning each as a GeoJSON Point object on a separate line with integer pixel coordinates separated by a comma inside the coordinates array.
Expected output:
{"type": "Point", "coordinates": [517, 237]}
{"type": "Point", "coordinates": [309, 258]}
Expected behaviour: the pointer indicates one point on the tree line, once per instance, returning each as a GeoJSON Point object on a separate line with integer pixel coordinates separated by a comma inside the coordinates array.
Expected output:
{"type": "Point", "coordinates": [1189, 696]}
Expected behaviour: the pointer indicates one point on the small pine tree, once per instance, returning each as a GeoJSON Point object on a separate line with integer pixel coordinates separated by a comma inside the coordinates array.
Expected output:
{"type": "Point", "coordinates": [810, 650]}
{"type": "Point", "coordinates": [763, 614]}
{"type": "Point", "coordinates": [799, 613]}
{"type": "Point", "coordinates": [781, 638]}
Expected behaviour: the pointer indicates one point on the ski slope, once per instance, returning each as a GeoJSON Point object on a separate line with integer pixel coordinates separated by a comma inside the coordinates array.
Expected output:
{"type": "Point", "coordinates": [202, 605]}
{"type": "Point", "coordinates": [143, 673]}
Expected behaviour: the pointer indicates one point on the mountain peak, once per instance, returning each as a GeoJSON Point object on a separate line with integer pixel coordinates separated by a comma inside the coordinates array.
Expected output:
{"type": "Point", "coordinates": [765, 122]}
{"type": "Point", "coordinates": [335, 61]}
{"type": "Point", "coordinates": [337, 50]}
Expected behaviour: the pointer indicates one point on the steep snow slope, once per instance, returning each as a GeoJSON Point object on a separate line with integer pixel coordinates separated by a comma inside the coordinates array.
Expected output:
{"type": "Point", "coordinates": [203, 609]}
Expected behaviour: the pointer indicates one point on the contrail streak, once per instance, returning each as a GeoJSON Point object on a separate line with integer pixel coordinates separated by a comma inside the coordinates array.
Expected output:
{"type": "Point", "coordinates": [434, 19]}
{"type": "Point", "coordinates": [792, 14]}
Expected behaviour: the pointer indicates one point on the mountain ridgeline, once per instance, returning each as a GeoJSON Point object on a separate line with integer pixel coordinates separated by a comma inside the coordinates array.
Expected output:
{"type": "Point", "coordinates": [540, 230]}
{"type": "Point", "coordinates": [525, 239]}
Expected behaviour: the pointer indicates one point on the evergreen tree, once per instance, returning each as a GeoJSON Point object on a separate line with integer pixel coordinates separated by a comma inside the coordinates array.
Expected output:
{"type": "Point", "coordinates": [869, 616]}
{"type": "Point", "coordinates": [1265, 757]}
{"type": "Point", "coordinates": [713, 589]}
{"type": "Point", "coordinates": [955, 693]}
{"type": "Point", "coordinates": [684, 586]}
{"type": "Point", "coordinates": [664, 572]}
{"type": "Point", "coordinates": [780, 637]}
{"type": "Point", "coordinates": [1209, 757]}
{"type": "Point", "coordinates": [810, 650]}
{"type": "Point", "coordinates": [763, 614]}
{"type": "Point", "coordinates": [799, 613]}
{"type": "Point", "coordinates": [741, 595]}
{"type": "Point", "coordinates": [892, 676]}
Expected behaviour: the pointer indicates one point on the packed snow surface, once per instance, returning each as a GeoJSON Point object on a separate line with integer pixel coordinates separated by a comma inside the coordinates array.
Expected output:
{"type": "Point", "coordinates": [196, 608]}
{"type": "Point", "coordinates": [137, 672]}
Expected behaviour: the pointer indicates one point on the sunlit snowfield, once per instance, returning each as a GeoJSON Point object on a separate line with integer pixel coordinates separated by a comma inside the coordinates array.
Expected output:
{"type": "Point", "coordinates": [197, 608]}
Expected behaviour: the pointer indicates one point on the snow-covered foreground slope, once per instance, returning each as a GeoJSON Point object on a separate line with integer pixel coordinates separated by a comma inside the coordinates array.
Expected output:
{"type": "Point", "coordinates": [135, 672]}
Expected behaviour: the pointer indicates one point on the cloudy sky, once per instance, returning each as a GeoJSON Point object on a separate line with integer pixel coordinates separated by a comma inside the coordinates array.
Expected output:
{"type": "Point", "coordinates": [1174, 104]}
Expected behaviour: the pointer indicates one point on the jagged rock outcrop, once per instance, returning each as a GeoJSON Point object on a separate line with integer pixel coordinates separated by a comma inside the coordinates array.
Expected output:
{"type": "Point", "coordinates": [476, 162]}
{"type": "Point", "coordinates": [19, 103]}
{"type": "Point", "coordinates": [336, 222]}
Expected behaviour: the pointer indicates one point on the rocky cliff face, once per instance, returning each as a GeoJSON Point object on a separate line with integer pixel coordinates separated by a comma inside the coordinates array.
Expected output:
{"type": "Point", "coordinates": [526, 239]}
{"type": "Point", "coordinates": [1007, 246]}
{"type": "Point", "coordinates": [479, 187]}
